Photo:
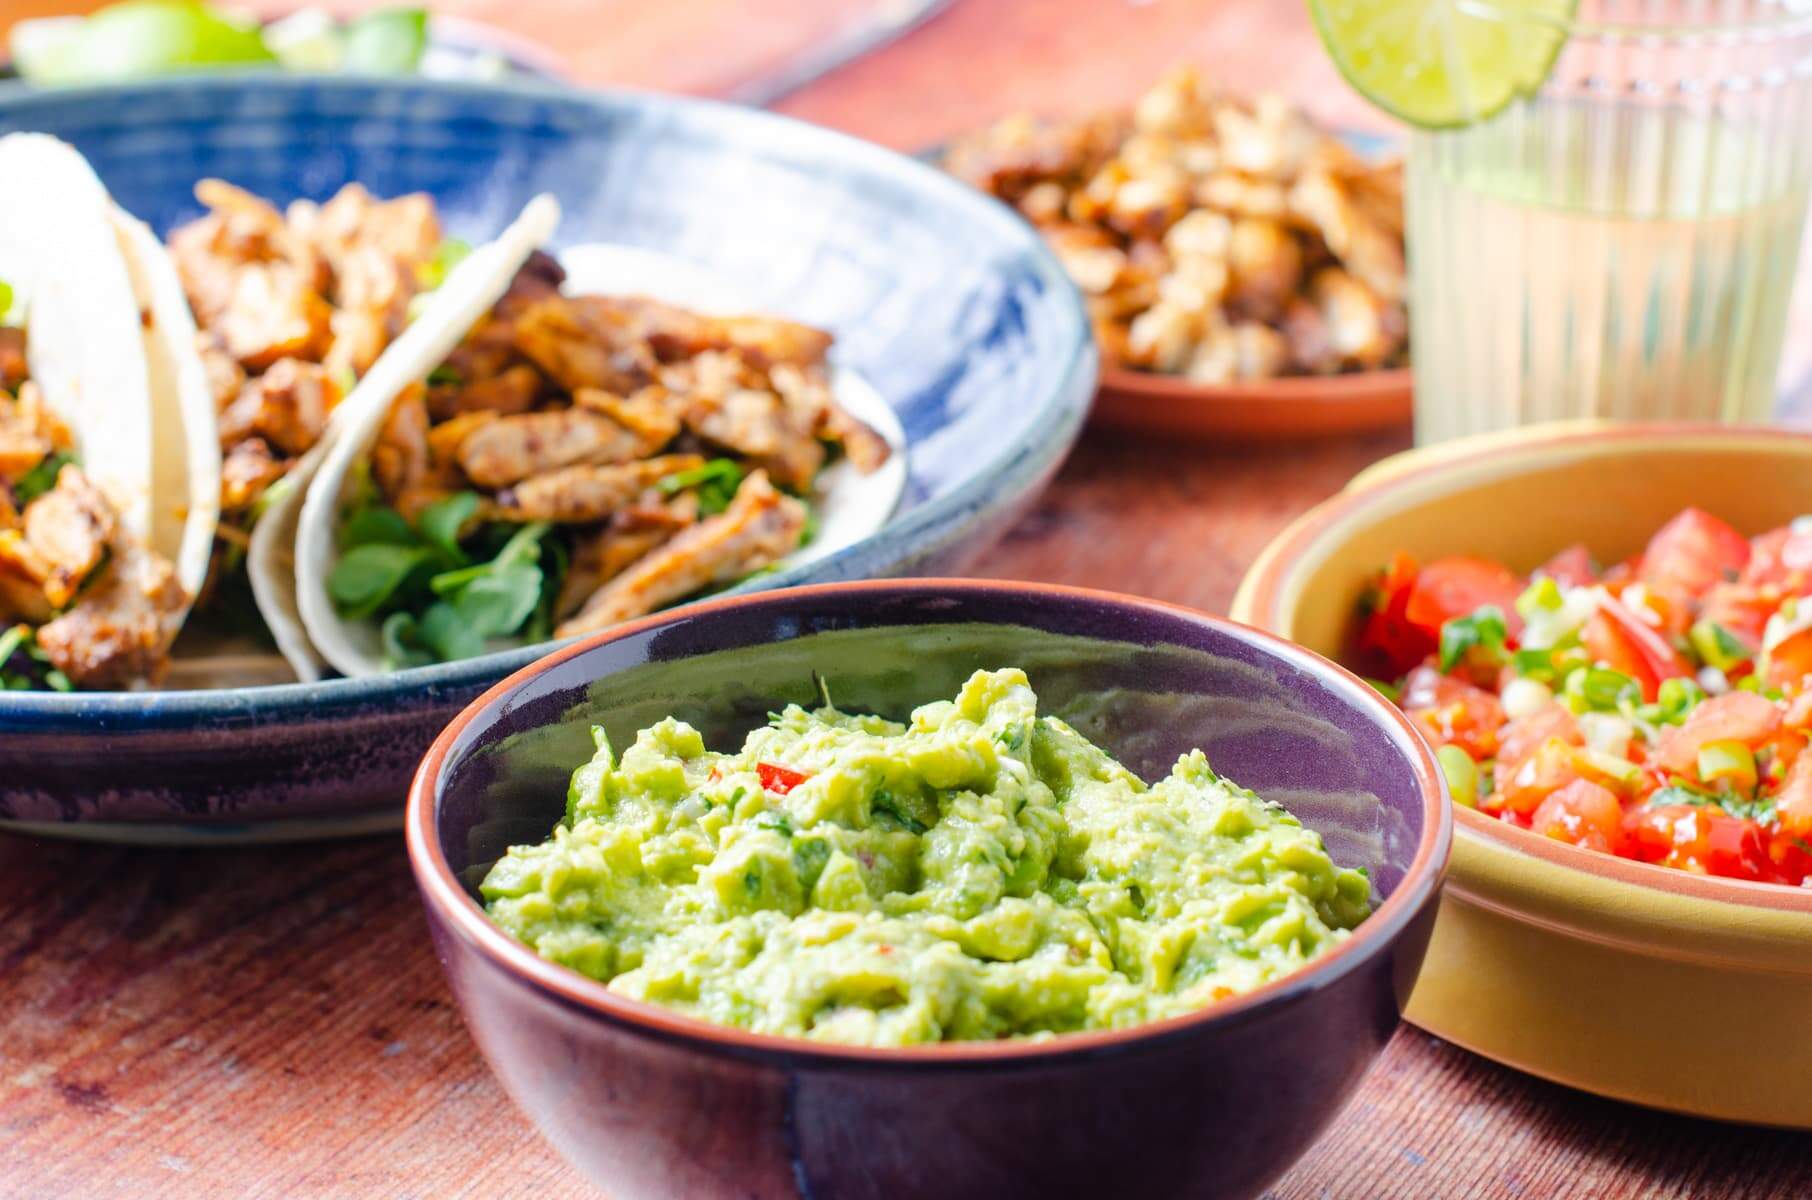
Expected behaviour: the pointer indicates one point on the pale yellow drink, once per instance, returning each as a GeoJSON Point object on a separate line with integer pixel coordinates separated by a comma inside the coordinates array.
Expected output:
{"type": "Point", "coordinates": [1583, 257]}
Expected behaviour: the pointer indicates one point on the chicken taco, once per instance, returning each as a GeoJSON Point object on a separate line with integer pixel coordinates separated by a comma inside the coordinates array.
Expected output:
{"type": "Point", "coordinates": [572, 443]}
{"type": "Point", "coordinates": [294, 306]}
{"type": "Point", "coordinates": [109, 471]}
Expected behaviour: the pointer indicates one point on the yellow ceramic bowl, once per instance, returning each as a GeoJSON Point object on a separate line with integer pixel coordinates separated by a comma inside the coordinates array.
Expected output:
{"type": "Point", "coordinates": [1633, 981]}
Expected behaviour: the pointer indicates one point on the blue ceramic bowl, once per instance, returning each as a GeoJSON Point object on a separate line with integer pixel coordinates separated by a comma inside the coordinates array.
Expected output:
{"type": "Point", "coordinates": [950, 306]}
{"type": "Point", "coordinates": [650, 1103]}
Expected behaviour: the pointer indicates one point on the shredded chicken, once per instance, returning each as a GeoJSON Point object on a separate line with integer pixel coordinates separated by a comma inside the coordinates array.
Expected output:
{"type": "Point", "coordinates": [1196, 225]}
{"type": "Point", "coordinates": [510, 449]}
{"type": "Point", "coordinates": [760, 527]}
{"type": "Point", "coordinates": [580, 495]}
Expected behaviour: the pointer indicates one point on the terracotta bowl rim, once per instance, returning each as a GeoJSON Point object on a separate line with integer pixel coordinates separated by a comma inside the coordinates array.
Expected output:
{"type": "Point", "coordinates": [1260, 590]}
{"type": "Point", "coordinates": [447, 899]}
{"type": "Point", "coordinates": [1283, 388]}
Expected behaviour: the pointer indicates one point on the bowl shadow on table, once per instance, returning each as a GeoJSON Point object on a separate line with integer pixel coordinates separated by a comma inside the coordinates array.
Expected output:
{"type": "Point", "coordinates": [1178, 1113]}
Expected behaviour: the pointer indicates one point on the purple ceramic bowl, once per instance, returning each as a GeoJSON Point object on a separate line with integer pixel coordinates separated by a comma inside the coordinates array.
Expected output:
{"type": "Point", "coordinates": [650, 1103]}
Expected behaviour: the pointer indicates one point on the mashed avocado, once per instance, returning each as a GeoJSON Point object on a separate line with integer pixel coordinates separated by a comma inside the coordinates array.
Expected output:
{"type": "Point", "coordinates": [981, 872]}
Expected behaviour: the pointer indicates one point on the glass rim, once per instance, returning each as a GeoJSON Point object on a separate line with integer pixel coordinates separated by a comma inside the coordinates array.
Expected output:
{"type": "Point", "coordinates": [1781, 18]}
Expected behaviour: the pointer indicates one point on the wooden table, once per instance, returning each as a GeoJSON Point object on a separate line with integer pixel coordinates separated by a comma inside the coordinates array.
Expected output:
{"type": "Point", "coordinates": [271, 1022]}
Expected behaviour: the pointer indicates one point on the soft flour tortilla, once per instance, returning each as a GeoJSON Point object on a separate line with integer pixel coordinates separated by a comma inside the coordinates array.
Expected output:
{"type": "Point", "coordinates": [850, 505]}
{"type": "Point", "coordinates": [185, 427]}
{"type": "Point", "coordinates": [112, 346]}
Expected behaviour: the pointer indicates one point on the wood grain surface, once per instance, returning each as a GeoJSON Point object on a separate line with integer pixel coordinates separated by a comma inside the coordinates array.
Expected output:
{"type": "Point", "coordinates": [271, 1022]}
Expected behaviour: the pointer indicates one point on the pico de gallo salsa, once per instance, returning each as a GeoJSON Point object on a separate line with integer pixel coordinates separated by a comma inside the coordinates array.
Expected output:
{"type": "Point", "coordinates": [1658, 709]}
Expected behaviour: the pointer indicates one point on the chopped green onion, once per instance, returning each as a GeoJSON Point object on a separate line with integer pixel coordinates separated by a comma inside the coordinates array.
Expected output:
{"type": "Point", "coordinates": [1676, 697]}
{"type": "Point", "coordinates": [1541, 596]}
{"type": "Point", "coordinates": [1716, 646]}
{"type": "Point", "coordinates": [1730, 762]}
{"type": "Point", "coordinates": [1462, 775]}
{"type": "Point", "coordinates": [1599, 689]}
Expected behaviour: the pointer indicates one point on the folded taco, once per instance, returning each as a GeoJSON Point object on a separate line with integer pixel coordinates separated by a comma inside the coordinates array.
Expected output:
{"type": "Point", "coordinates": [565, 447]}
{"type": "Point", "coordinates": [294, 306]}
{"type": "Point", "coordinates": [109, 471]}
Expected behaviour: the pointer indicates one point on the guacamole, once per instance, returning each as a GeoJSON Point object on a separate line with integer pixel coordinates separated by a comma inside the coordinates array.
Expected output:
{"type": "Point", "coordinates": [980, 872]}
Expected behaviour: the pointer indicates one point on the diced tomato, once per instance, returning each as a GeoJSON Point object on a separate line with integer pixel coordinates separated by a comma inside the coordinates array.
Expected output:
{"type": "Point", "coordinates": [779, 780]}
{"type": "Point", "coordinates": [1572, 567]}
{"type": "Point", "coordinates": [1780, 557]}
{"type": "Point", "coordinates": [1793, 803]}
{"type": "Point", "coordinates": [1524, 736]}
{"type": "Point", "coordinates": [1792, 857]}
{"type": "Point", "coordinates": [1453, 712]}
{"type": "Point", "coordinates": [1790, 661]}
{"type": "Point", "coordinates": [1691, 553]}
{"type": "Point", "coordinates": [1620, 640]}
{"type": "Point", "coordinates": [1388, 635]}
{"type": "Point", "coordinates": [1584, 814]}
{"type": "Point", "coordinates": [1457, 587]}
{"type": "Point", "coordinates": [1733, 717]}
{"type": "Point", "coordinates": [1737, 849]}
{"type": "Point", "coordinates": [1654, 834]}
{"type": "Point", "coordinates": [1542, 774]}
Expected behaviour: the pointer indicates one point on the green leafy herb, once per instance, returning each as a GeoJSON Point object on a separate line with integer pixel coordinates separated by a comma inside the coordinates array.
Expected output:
{"type": "Point", "coordinates": [1389, 691]}
{"type": "Point", "coordinates": [24, 666]}
{"type": "Point", "coordinates": [367, 576]}
{"type": "Point", "coordinates": [778, 822]}
{"type": "Point", "coordinates": [886, 803]}
{"type": "Point", "coordinates": [716, 483]}
{"type": "Point", "coordinates": [41, 478]}
{"type": "Point", "coordinates": [376, 525]}
{"type": "Point", "coordinates": [6, 301]}
{"type": "Point", "coordinates": [445, 376]}
{"type": "Point", "coordinates": [441, 522]}
{"type": "Point", "coordinates": [1479, 637]}
{"type": "Point", "coordinates": [1761, 808]}
{"type": "Point", "coordinates": [1599, 689]}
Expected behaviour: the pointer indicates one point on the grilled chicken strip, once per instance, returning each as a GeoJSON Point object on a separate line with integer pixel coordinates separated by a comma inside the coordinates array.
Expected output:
{"type": "Point", "coordinates": [578, 495]}
{"type": "Point", "coordinates": [510, 449]}
{"type": "Point", "coordinates": [761, 526]}
{"type": "Point", "coordinates": [584, 342]}
{"type": "Point", "coordinates": [600, 557]}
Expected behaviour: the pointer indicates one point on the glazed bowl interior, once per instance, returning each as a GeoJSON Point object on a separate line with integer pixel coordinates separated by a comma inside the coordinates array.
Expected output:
{"type": "Point", "coordinates": [1146, 682]}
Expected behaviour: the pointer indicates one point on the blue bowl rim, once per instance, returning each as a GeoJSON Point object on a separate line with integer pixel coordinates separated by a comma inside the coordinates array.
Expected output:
{"type": "Point", "coordinates": [1010, 470]}
{"type": "Point", "coordinates": [446, 899]}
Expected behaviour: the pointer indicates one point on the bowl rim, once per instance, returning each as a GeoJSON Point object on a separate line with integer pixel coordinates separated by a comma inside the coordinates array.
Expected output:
{"type": "Point", "coordinates": [1262, 591]}
{"type": "Point", "coordinates": [1012, 467]}
{"type": "Point", "coordinates": [448, 901]}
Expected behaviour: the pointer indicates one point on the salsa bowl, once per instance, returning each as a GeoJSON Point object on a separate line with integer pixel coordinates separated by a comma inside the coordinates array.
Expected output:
{"type": "Point", "coordinates": [952, 310]}
{"type": "Point", "coordinates": [652, 1103]}
{"type": "Point", "coordinates": [1634, 981]}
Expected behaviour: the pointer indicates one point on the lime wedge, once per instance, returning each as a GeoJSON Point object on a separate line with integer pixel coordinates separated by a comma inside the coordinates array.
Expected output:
{"type": "Point", "coordinates": [1442, 63]}
{"type": "Point", "coordinates": [135, 39]}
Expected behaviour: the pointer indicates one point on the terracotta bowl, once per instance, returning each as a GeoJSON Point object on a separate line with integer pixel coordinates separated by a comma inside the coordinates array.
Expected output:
{"type": "Point", "coordinates": [1633, 981]}
{"type": "Point", "coordinates": [650, 1103]}
{"type": "Point", "coordinates": [1295, 407]}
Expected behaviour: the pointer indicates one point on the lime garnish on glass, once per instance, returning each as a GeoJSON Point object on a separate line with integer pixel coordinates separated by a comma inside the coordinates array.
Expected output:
{"type": "Point", "coordinates": [1441, 63]}
{"type": "Point", "coordinates": [132, 40]}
